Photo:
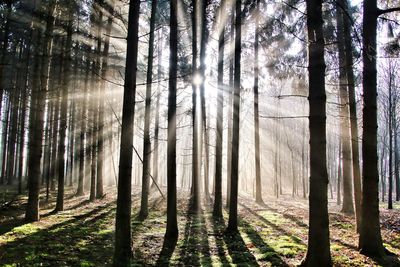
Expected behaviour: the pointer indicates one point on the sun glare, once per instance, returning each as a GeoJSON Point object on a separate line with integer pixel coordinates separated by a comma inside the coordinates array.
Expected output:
{"type": "Point", "coordinates": [197, 79]}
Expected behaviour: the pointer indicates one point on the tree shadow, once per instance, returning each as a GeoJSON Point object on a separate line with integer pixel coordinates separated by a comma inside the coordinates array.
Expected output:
{"type": "Point", "coordinates": [195, 248]}
{"type": "Point", "coordinates": [83, 239]}
{"type": "Point", "coordinates": [166, 252]}
{"type": "Point", "coordinates": [218, 229]}
{"type": "Point", "coordinates": [272, 225]}
{"type": "Point", "coordinates": [269, 254]}
{"type": "Point", "coordinates": [285, 215]}
{"type": "Point", "coordinates": [238, 250]}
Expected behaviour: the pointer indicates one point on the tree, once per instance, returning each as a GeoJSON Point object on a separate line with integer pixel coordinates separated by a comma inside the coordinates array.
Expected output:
{"type": "Point", "coordinates": [370, 240]}
{"type": "Point", "coordinates": [146, 142]}
{"type": "Point", "coordinates": [195, 193]}
{"type": "Point", "coordinates": [353, 112]}
{"type": "Point", "coordinates": [318, 251]}
{"type": "Point", "coordinates": [63, 115]}
{"type": "Point", "coordinates": [123, 250]}
{"type": "Point", "coordinates": [347, 205]}
{"type": "Point", "coordinates": [172, 224]}
{"type": "Point", "coordinates": [37, 123]}
{"type": "Point", "coordinates": [233, 220]}
{"type": "Point", "coordinates": [256, 112]}
{"type": "Point", "coordinates": [80, 191]}
{"type": "Point", "coordinates": [217, 210]}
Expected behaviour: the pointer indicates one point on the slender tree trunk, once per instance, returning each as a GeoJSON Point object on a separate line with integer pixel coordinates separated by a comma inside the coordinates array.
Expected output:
{"type": "Point", "coordinates": [339, 176]}
{"type": "Point", "coordinates": [353, 113]}
{"type": "Point", "coordinates": [144, 209]}
{"type": "Point", "coordinates": [256, 112]}
{"type": "Point", "coordinates": [80, 191]}
{"type": "Point", "coordinates": [123, 249]}
{"type": "Point", "coordinates": [63, 118]}
{"type": "Point", "coordinates": [217, 210]}
{"type": "Point", "coordinates": [203, 129]}
{"type": "Point", "coordinates": [390, 133]}
{"type": "Point", "coordinates": [157, 119]}
{"type": "Point", "coordinates": [99, 120]}
{"type": "Point", "coordinates": [347, 206]}
{"type": "Point", "coordinates": [318, 252]}
{"type": "Point", "coordinates": [233, 220]}
{"type": "Point", "coordinates": [195, 196]}
{"type": "Point", "coordinates": [230, 113]}
{"type": "Point", "coordinates": [4, 141]}
{"type": "Point", "coordinates": [172, 225]}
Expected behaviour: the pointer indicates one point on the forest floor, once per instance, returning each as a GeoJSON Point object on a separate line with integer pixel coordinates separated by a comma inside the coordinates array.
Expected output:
{"type": "Point", "coordinates": [274, 234]}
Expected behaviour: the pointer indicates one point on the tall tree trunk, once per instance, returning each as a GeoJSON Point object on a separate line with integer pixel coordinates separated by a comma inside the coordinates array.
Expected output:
{"type": "Point", "coordinates": [370, 239]}
{"type": "Point", "coordinates": [195, 196]}
{"type": "Point", "coordinates": [80, 191]}
{"type": "Point", "coordinates": [347, 205]}
{"type": "Point", "coordinates": [256, 112]}
{"type": "Point", "coordinates": [99, 121]}
{"type": "Point", "coordinates": [93, 137]}
{"type": "Point", "coordinates": [172, 225]}
{"type": "Point", "coordinates": [390, 133]}
{"type": "Point", "coordinates": [63, 117]}
{"type": "Point", "coordinates": [353, 113]}
{"type": "Point", "coordinates": [217, 210]}
{"type": "Point", "coordinates": [157, 111]}
{"type": "Point", "coordinates": [144, 209]}
{"type": "Point", "coordinates": [318, 252]}
{"type": "Point", "coordinates": [123, 249]}
{"type": "Point", "coordinates": [230, 112]}
{"type": "Point", "coordinates": [233, 220]}
{"type": "Point", "coordinates": [37, 121]}
{"type": "Point", "coordinates": [203, 138]}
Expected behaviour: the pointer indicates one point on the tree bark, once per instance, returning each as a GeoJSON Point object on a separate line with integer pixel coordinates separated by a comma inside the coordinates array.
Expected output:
{"type": "Point", "coordinates": [63, 117]}
{"type": "Point", "coordinates": [318, 252]}
{"type": "Point", "coordinates": [256, 112]}
{"type": "Point", "coordinates": [370, 239]}
{"type": "Point", "coordinates": [353, 114]}
{"type": "Point", "coordinates": [347, 205]}
{"type": "Point", "coordinates": [217, 210]}
{"type": "Point", "coordinates": [233, 220]}
{"type": "Point", "coordinates": [172, 225]}
{"type": "Point", "coordinates": [123, 249]}
{"type": "Point", "coordinates": [144, 209]}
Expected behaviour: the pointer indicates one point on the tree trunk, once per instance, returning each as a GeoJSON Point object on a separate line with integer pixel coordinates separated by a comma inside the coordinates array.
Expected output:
{"type": "Point", "coordinates": [99, 120]}
{"type": "Point", "coordinates": [230, 112]}
{"type": "Point", "coordinates": [370, 239]}
{"type": "Point", "coordinates": [123, 249]}
{"type": "Point", "coordinates": [233, 220]}
{"type": "Point", "coordinates": [390, 133]}
{"type": "Point", "coordinates": [37, 120]}
{"type": "Point", "coordinates": [172, 225]}
{"type": "Point", "coordinates": [80, 191]}
{"type": "Point", "coordinates": [195, 196]}
{"type": "Point", "coordinates": [144, 209]}
{"type": "Point", "coordinates": [217, 210]}
{"type": "Point", "coordinates": [347, 205]}
{"type": "Point", "coordinates": [256, 112]}
{"type": "Point", "coordinates": [318, 252]}
{"type": "Point", "coordinates": [63, 118]}
{"type": "Point", "coordinates": [353, 113]}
